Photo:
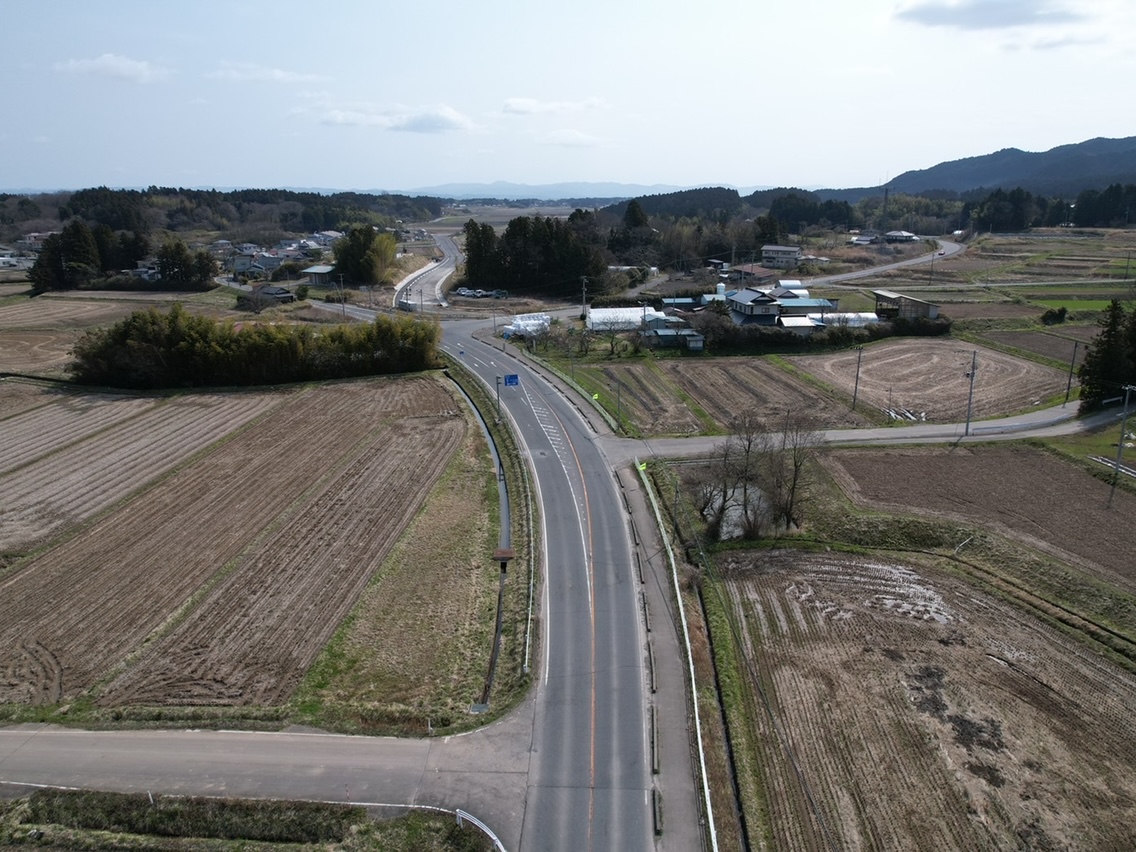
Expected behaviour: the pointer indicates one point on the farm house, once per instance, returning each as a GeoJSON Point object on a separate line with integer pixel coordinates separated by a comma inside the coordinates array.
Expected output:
{"type": "Point", "coordinates": [891, 305]}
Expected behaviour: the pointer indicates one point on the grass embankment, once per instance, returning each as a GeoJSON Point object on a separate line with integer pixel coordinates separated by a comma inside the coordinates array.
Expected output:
{"type": "Point", "coordinates": [378, 675]}
{"type": "Point", "coordinates": [71, 819]}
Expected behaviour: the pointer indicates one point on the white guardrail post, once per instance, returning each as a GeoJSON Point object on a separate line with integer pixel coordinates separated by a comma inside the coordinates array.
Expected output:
{"type": "Point", "coordinates": [689, 654]}
{"type": "Point", "coordinates": [465, 817]}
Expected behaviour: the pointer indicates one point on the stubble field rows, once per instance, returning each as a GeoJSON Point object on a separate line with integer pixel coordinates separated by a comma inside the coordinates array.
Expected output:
{"type": "Point", "coordinates": [729, 387]}
{"type": "Point", "coordinates": [910, 711]}
{"type": "Point", "coordinates": [930, 378]}
{"type": "Point", "coordinates": [109, 596]}
{"type": "Point", "coordinates": [70, 485]}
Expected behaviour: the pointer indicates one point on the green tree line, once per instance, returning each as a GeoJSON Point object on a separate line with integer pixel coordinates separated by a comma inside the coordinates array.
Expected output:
{"type": "Point", "coordinates": [1110, 362]}
{"type": "Point", "coordinates": [535, 255]}
{"type": "Point", "coordinates": [178, 209]}
{"type": "Point", "coordinates": [79, 258]}
{"type": "Point", "coordinates": [153, 350]}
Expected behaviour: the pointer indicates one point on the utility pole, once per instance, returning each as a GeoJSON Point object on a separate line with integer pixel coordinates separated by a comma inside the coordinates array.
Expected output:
{"type": "Point", "coordinates": [618, 405]}
{"type": "Point", "coordinates": [1120, 445]}
{"type": "Point", "coordinates": [856, 389]}
{"type": "Point", "coordinates": [342, 297]}
{"type": "Point", "coordinates": [1072, 363]}
{"type": "Point", "coordinates": [970, 398]}
{"type": "Point", "coordinates": [498, 398]}
{"type": "Point", "coordinates": [583, 297]}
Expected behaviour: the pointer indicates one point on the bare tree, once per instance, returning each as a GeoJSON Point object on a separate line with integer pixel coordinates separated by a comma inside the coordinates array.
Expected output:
{"type": "Point", "coordinates": [748, 444]}
{"type": "Point", "coordinates": [612, 331]}
{"type": "Point", "coordinates": [788, 467]}
{"type": "Point", "coordinates": [713, 487]}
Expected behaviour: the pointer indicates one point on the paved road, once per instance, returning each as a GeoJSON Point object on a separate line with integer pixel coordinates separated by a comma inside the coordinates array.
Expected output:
{"type": "Point", "coordinates": [946, 247]}
{"type": "Point", "coordinates": [589, 781]}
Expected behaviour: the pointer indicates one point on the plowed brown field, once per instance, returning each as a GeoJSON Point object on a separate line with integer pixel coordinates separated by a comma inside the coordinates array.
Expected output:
{"type": "Point", "coordinates": [1057, 345]}
{"type": "Point", "coordinates": [219, 583]}
{"type": "Point", "coordinates": [80, 454]}
{"type": "Point", "coordinates": [728, 387]}
{"type": "Point", "coordinates": [38, 352]}
{"type": "Point", "coordinates": [927, 378]}
{"type": "Point", "coordinates": [908, 711]}
{"type": "Point", "coordinates": [1020, 491]}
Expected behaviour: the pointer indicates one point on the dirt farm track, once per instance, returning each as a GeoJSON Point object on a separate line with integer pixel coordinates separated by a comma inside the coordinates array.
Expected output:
{"type": "Point", "coordinates": [216, 551]}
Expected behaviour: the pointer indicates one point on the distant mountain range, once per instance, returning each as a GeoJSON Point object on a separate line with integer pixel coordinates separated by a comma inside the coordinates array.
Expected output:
{"type": "Point", "coordinates": [1062, 171]}
{"type": "Point", "coordinates": [545, 191]}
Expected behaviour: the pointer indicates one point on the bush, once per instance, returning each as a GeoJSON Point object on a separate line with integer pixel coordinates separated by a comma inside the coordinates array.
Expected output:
{"type": "Point", "coordinates": [302, 292]}
{"type": "Point", "coordinates": [151, 350]}
{"type": "Point", "coordinates": [1054, 316]}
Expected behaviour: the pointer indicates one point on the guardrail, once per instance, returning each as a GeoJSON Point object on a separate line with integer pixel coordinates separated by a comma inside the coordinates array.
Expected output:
{"type": "Point", "coordinates": [466, 817]}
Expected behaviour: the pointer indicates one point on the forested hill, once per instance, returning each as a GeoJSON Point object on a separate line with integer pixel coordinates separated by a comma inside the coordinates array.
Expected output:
{"type": "Point", "coordinates": [1062, 171]}
{"type": "Point", "coordinates": [715, 203]}
{"type": "Point", "coordinates": [245, 212]}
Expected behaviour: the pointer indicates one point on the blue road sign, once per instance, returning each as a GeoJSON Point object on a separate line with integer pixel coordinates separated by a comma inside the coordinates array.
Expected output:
{"type": "Point", "coordinates": [512, 380]}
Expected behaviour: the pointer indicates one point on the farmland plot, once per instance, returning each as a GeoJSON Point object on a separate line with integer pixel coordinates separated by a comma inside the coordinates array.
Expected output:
{"type": "Point", "coordinates": [1057, 346]}
{"type": "Point", "coordinates": [65, 470]}
{"type": "Point", "coordinates": [44, 313]}
{"type": "Point", "coordinates": [986, 310]}
{"type": "Point", "coordinates": [250, 640]}
{"type": "Point", "coordinates": [648, 399]}
{"type": "Point", "coordinates": [220, 545]}
{"type": "Point", "coordinates": [927, 377]}
{"type": "Point", "coordinates": [18, 396]}
{"type": "Point", "coordinates": [1020, 491]}
{"type": "Point", "coordinates": [39, 352]}
{"type": "Point", "coordinates": [728, 387]}
{"type": "Point", "coordinates": [911, 712]}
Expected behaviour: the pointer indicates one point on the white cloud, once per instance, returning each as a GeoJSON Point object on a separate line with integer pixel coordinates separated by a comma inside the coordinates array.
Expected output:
{"type": "Point", "coordinates": [115, 66]}
{"type": "Point", "coordinates": [429, 119]}
{"type": "Point", "coordinates": [531, 106]}
{"type": "Point", "coordinates": [247, 72]}
{"type": "Point", "coordinates": [571, 139]}
{"type": "Point", "coordinates": [988, 14]}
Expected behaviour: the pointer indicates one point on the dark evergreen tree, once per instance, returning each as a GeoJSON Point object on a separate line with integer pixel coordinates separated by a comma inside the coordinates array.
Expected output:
{"type": "Point", "coordinates": [481, 269]}
{"type": "Point", "coordinates": [363, 255]}
{"type": "Point", "coordinates": [634, 217]}
{"type": "Point", "coordinates": [107, 244]}
{"type": "Point", "coordinates": [47, 271]}
{"type": "Point", "coordinates": [1108, 364]}
{"type": "Point", "coordinates": [80, 254]}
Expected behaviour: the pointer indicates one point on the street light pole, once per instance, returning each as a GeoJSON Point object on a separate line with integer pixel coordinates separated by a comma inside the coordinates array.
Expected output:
{"type": "Point", "coordinates": [1072, 364]}
{"type": "Point", "coordinates": [498, 397]}
{"type": "Point", "coordinates": [970, 397]}
{"type": "Point", "coordinates": [856, 389]}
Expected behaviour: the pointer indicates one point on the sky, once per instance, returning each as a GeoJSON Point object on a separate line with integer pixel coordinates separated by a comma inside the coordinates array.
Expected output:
{"type": "Point", "coordinates": [373, 95]}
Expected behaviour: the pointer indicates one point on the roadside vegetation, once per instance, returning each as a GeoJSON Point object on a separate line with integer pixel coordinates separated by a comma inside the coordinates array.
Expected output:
{"type": "Point", "coordinates": [75, 819]}
{"type": "Point", "coordinates": [377, 676]}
